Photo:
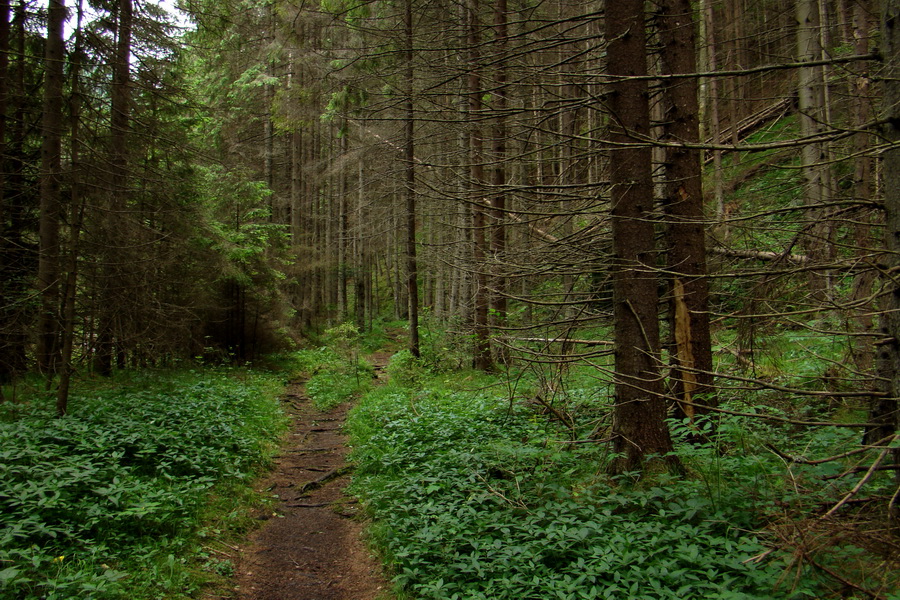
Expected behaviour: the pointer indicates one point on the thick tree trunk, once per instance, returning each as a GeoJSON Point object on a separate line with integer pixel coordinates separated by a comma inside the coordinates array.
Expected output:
{"type": "Point", "coordinates": [863, 283]}
{"type": "Point", "coordinates": [886, 410]}
{"type": "Point", "coordinates": [639, 418]}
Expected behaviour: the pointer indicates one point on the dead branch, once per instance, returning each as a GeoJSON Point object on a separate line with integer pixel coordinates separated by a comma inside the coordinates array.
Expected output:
{"type": "Point", "coordinates": [563, 340]}
{"type": "Point", "coordinates": [819, 461]}
{"type": "Point", "coordinates": [872, 470]}
{"type": "Point", "coordinates": [797, 259]}
{"type": "Point", "coordinates": [319, 482]}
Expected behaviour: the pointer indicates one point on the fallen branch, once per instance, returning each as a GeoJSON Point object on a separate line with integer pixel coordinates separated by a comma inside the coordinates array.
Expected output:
{"type": "Point", "coordinates": [317, 483]}
{"type": "Point", "coordinates": [859, 485]}
{"type": "Point", "coordinates": [797, 259]}
{"type": "Point", "coordinates": [797, 459]}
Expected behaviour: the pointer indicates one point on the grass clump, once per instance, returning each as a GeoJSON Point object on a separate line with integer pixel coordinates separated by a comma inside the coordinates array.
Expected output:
{"type": "Point", "coordinates": [107, 502]}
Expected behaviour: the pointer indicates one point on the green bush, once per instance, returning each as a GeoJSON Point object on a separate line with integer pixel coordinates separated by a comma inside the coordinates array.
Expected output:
{"type": "Point", "coordinates": [406, 370]}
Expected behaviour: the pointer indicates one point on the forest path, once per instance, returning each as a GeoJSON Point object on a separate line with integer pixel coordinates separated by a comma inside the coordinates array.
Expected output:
{"type": "Point", "coordinates": [311, 545]}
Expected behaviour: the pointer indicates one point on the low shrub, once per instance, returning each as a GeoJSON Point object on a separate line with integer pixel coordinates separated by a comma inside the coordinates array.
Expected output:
{"type": "Point", "coordinates": [404, 369]}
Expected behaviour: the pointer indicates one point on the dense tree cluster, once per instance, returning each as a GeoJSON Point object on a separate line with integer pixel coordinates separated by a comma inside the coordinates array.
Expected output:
{"type": "Point", "coordinates": [618, 184]}
{"type": "Point", "coordinates": [573, 181]}
{"type": "Point", "coordinates": [699, 201]}
{"type": "Point", "coordinates": [124, 241]}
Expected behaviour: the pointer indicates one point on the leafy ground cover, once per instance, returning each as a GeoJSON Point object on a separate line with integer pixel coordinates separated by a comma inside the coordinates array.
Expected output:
{"type": "Point", "coordinates": [334, 371]}
{"type": "Point", "coordinates": [116, 499]}
{"type": "Point", "coordinates": [475, 497]}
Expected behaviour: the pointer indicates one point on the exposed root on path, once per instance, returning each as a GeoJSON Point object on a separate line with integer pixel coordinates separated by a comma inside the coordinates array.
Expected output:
{"type": "Point", "coordinates": [311, 546]}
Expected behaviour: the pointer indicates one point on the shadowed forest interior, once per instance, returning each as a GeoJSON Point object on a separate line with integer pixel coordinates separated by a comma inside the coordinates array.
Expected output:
{"type": "Point", "coordinates": [638, 261]}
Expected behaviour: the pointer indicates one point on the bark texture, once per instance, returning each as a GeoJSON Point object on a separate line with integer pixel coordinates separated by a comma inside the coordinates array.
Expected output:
{"type": "Point", "coordinates": [51, 152]}
{"type": "Point", "coordinates": [691, 378]}
{"type": "Point", "coordinates": [886, 410]}
{"type": "Point", "coordinates": [639, 419]}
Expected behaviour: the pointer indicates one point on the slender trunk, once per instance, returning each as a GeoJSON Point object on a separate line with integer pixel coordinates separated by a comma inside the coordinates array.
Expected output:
{"type": "Point", "coordinates": [412, 270]}
{"type": "Point", "coordinates": [498, 175]}
{"type": "Point", "coordinates": [691, 378]}
{"type": "Point", "coordinates": [482, 350]}
{"type": "Point", "coordinates": [51, 153]}
{"type": "Point", "coordinates": [733, 56]}
{"type": "Point", "coordinates": [362, 266]}
{"type": "Point", "coordinates": [16, 265]}
{"type": "Point", "coordinates": [5, 14]}
{"type": "Point", "coordinates": [343, 229]}
{"type": "Point", "coordinates": [715, 127]}
{"type": "Point", "coordinates": [77, 218]}
{"type": "Point", "coordinates": [120, 99]}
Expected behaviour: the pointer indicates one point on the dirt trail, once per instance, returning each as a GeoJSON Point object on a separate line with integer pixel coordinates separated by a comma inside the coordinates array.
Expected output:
{"type": "Point", "coordinates": [311, 546]}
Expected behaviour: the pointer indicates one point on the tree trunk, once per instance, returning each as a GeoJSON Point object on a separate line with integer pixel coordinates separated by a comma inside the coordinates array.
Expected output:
{"type": "Point", "coordinates": [813, 154]}
{"type": "Point", "coordinates": [715, 128]}
{"type": "Point", "coordinates": [5, 14]}
{"type": "Point", "coordinates": [412, 269]}
{"type": "Point", "coordinates": [120, 100]}
{"type": "Point", "coordinates": [5, 322]}
{"type": "Point", "coordinates": [498, 175]}
{"type": "Point", "coordinates": [481, 356]}
{"type": "Point", "coordinates": [639, 417]}
{"type": "Point", "coordinates": [359, 252]}
{"type": "Point", "coordinates": [886, 410]}
{"type": "Point", "coordinates": [13, 356]}
{"type": "Point", "coordinates": [863, 283]}
{"type": "Point", "coordinates": [691, 378]}
{"type": "Point", "coordinates": [51, 153]}
{"type": "Point", "coordinates": [76, 219]}
{"type": "Point", "coordinates": [343, 234]}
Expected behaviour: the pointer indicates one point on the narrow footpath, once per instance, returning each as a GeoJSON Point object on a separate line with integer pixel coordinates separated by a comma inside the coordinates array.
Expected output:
{"type": "Point", "coordinates": [311, 545]}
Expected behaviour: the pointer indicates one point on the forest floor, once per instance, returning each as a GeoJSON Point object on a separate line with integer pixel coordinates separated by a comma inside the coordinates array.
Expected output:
{"type": "Point", "coordinates": [311, 545]}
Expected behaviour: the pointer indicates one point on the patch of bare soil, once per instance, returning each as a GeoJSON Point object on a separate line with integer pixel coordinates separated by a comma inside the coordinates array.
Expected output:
{"type": "Point", "coordinates": [311, 545]}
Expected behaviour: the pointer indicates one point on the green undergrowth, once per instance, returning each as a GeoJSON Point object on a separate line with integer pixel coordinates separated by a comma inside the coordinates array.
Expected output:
{"type": "Point", "coordinates": [128, 496]}
{"type": "Point", "coordinates": [335, 373]}
{"type": "Point", "coordinates": [473, 497]}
